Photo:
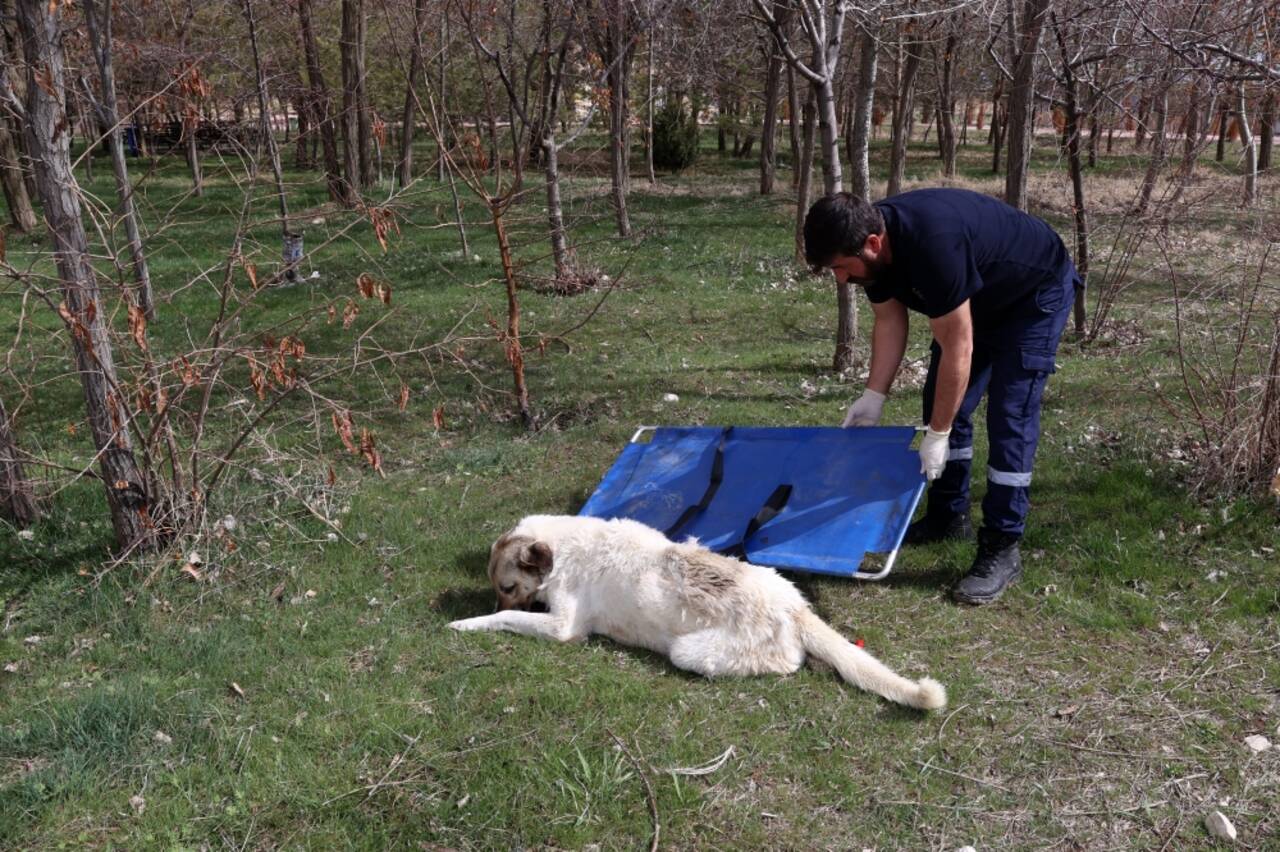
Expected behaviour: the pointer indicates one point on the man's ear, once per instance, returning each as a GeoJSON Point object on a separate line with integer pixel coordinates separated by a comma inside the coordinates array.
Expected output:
{"type": "Point", "coordinates": [874, 243]}
{"type": "Point", "coordinates": [537, 558]}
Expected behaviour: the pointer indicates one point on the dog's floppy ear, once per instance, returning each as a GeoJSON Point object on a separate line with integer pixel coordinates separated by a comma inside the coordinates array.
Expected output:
{"type": "Point", "coordinates": [536, 558]}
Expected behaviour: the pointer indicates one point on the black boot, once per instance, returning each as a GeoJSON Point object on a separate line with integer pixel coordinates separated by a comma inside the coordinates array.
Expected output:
{"type": "Point", "coordinates": [997, 565]}
{"type": "Point", "coordinates": [935, 526]}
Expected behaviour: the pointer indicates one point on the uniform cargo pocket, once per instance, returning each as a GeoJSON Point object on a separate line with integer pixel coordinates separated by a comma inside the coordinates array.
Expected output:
{"type": "Point", "coordinates": [1050, 299]}
{"type": "Point", "coordinates": [1038, 362]}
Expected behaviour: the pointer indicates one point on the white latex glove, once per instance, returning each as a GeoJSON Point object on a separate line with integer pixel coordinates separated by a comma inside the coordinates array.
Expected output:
{"type": "Point", "coordinates": [865, 411]}
{"type": "Point", "coordinates": [933, 453]}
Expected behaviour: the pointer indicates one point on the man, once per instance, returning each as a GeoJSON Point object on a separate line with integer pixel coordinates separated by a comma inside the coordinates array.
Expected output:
{"type": "Point", "coordinates": [997, 286]}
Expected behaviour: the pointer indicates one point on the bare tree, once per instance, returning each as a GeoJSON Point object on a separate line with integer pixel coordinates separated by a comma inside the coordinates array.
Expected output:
{"type": "Point", "coordinates": [99, 26]}
{"type": "Point", "coordinates": [17, 502]}
{"type": "Point", "coordinates": [15, 178]}
{"type": "Point", "coordinates": [615, 31]}
{"type": "Point", "coordinates": [859, 129]}
{"type": "Point", "coordinates": [772, 88]}
{"type": "Point", "coordinates": [947, 104]}
{"type": "Point", "coordinates": [322, 108]}
{"type": "Point", "coordinates": [48, 139]}
{"type": "Point", "coordinates": [268, 136]}
{"type": "Point", "coordinates": [405, 169]}
{"type": "Point", "coordinates": [557, 16]}
{"type": "Point", "coordinates": [352, 77]}
{"type": "Point", "coordinates": [823, 25]}
{"type": "Point", "coordinates": [1021, 133]}
{"type": "Point", "coordinates": [912, 47]}
{"type": "Point", "coordinates": [1250, 150]}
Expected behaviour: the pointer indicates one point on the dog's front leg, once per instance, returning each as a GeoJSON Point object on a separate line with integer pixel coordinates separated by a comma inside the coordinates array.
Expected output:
{"type": "Point", "coordinates": [541, 624]}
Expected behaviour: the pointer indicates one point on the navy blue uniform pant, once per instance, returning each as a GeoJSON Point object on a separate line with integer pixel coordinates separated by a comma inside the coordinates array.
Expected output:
{"type": "Point", "coordinates": [1012, 361]}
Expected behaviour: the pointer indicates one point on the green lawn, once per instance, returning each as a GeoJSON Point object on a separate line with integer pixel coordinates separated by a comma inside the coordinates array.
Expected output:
{"type": "Point", "coordinates": [1101, 704]}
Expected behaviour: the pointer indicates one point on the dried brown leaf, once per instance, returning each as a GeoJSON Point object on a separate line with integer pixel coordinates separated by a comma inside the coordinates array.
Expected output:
{"type": "Point", "coordinates": [369, 451]}
{"type": "Point", "coordinates": [138, 326]}
{"type": "Point", "coordinates": [437, 417]}
{"type": "Point", "coordinates": [342, 425]}
{"type": "Point", "coordinates": [404, 398]}
{"type": "Point", "coordinates": [366, 283]}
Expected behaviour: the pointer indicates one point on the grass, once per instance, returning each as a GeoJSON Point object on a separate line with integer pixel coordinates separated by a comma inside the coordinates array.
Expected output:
{"type": "Point", "coordinates": [1101, 704]}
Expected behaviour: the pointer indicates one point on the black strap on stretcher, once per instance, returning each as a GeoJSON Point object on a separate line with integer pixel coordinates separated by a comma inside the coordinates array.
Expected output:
{"type": "Point", "coordinates": [777, 500]}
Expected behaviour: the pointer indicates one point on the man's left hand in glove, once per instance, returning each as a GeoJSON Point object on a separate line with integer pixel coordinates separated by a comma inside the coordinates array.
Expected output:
{"type": "Point", "coordinates": [933, 453]}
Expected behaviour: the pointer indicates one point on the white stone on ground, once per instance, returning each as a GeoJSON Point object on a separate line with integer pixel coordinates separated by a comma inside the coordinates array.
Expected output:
{"type": "Point", "coordinates": [1257, 742]}
{"type": "Point", "coordinates": [1219, 826]}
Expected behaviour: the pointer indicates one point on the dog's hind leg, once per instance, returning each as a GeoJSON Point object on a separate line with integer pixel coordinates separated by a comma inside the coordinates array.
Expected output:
{"type": "Point", "coordinates": [716, 651]}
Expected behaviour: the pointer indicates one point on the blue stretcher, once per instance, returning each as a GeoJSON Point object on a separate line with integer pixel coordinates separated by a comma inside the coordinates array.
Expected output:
{"type": "Point", "coordinates": [803, 499]}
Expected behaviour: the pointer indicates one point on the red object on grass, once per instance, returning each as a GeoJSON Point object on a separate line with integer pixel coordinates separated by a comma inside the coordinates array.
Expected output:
{"type": "Point", "coordinates": [859, 643]}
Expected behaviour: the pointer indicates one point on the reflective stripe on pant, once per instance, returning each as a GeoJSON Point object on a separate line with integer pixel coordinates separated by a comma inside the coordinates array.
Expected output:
{"type": "Point", "coordinates": [1011, 366]}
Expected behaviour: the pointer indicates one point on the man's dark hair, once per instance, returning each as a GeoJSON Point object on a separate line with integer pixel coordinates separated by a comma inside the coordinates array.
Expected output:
{"type": "Point", "coordinates": [838, 224]}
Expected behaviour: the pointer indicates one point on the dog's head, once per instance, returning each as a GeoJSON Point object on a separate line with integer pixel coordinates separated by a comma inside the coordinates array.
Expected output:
{"type": "Point", "coordinates": [517, 566]}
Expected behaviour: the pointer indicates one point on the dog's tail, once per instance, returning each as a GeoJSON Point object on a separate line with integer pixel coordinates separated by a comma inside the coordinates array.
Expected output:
{"type": "Point", "coordinates": [863, 670]}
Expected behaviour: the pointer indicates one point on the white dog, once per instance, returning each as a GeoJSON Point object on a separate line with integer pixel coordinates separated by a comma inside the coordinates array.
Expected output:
{"type": "Point", "coordinates": [708, 613]}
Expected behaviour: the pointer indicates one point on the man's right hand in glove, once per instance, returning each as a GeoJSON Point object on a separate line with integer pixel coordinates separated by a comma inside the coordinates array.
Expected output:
{"type": "Point", "coordinates": [866, 410]}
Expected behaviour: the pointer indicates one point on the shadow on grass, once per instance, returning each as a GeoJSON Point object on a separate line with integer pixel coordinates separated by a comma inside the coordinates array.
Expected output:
{"type": "Point", "coordinates": [465, 603]}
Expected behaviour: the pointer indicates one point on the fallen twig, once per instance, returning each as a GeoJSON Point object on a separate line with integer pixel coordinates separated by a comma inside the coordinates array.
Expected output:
{"type": "Point", "coordinates": [648, 790]}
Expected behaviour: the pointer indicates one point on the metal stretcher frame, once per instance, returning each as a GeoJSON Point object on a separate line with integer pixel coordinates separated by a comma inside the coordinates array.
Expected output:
{"type": "Point", "coordinates": [798, 498]}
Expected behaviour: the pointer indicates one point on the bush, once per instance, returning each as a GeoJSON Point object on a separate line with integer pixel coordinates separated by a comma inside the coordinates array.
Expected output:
{"type": "Point", "coordinates": [675, 136]}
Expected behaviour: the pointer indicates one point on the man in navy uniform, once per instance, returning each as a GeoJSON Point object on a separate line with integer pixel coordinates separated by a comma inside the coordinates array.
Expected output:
{"type": "Point", "coordinates": [997, 286]}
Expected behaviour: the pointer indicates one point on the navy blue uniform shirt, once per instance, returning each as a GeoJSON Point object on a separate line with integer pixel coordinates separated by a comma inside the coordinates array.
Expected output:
{"type": "Point", "coordinates": [950, 245]}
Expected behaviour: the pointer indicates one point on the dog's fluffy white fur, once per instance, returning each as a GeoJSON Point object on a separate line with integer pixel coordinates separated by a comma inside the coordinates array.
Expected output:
{"type": "Point", "coordinates": [708, 613]}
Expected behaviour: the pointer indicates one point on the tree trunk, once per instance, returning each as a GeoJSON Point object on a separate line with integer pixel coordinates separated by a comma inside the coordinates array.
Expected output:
{"type": "Point", "coordinates": [351, 14]}
{"type": "Point", "coordinates": [364, 112]}
{"type": "Point", "coordinates": [805, 171]}
{"type": "Point", "coordinates": [560, 253]}
{"type": "Point", "coordinates": [1267, 131]}
{"type": "Point", "coordinates": [273, 153]}
{"type": "Point", "coordinates": [1250, 152]}
{"type": "Point", "coordinates": [322, 108]}
{"type": "Point", "coordinates": [108, 116]}
{"type": "Point", "coordinates": [17, 500]}
{"type": "Point", "coordinates": [720, 122]}
{"type": "Point", "coordinates": [48, 138]}
{"type": "Point", "coordinates": [1159, 146]}
{"type": "Point", "coordinates": [302, 153]}
{"type": "Point", "coordinates": [444, 143]}
{"type": "Point", "coordinates": [1021, 132]}
{"type": "Point", "coordinates": [902, 109]}
{"type": "Point", "coordinates": [1073, 132]}
{"type": "Point", "coordinates": [193, 156]}
{"type": "Point", "coordinates": [648, 121]}
{"type": "Point", "coordinates": [829, 132]}
{"type": "Point", "coordinates": [793, 125]}
{"type": "Point", "coordinates": [21, 213]}
{"type": "Point", "coordinates": [617, 56]}
{"type": "Point", "coordinates": [1093, 137]}
{"type": "Point", "coordinates": [864, 104]}
{"type": "Point", "coordinates": [1224, 122]}
{"type": "Point", "coordinates": [87, 128]}
{"type": "Point", "coordinates": [405, 170]}
{"type": "Point", "coordinates": [515, 352]}
{"type": "Point", "coordinates": [769, 130]}
{"type": "Point", "coordinates": [946, 106]}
